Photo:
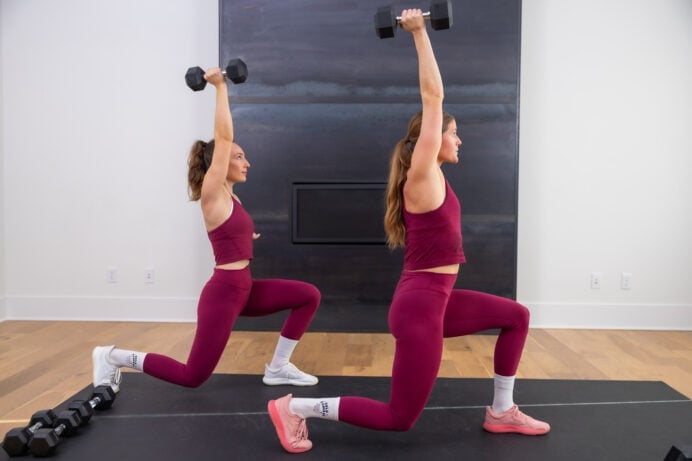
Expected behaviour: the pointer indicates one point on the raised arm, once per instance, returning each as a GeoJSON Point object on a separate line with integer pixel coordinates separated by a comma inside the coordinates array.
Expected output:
{"type": "Point", "coordinates": [215, 197]}
{"type": "Point", "coordinates": [424, 187]}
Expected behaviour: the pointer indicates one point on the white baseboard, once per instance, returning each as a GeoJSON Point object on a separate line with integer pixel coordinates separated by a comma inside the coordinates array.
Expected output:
{"type": "Point", "coordinates": [611, 316]}
{"type": "Point", "coordinates": [124, 309]}
{"type": "Point", "coordinates": [543, 315]}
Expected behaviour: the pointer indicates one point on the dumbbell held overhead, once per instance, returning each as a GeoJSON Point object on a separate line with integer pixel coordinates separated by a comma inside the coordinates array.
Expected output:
{"type": "Point", "coordinates": [235, 71]}
{"type": "Point", "coordinates": [440, 16]}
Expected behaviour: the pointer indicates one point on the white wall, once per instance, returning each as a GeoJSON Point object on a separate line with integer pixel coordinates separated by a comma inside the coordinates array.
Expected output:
{"type": "Point", "coordinates": [97, 122]}
{"type": "Point", "coordinates": [605, 160]}
{"type": "Point", "coordinates": [96, 134]}
{"type": "Point", "coordinates": [3, 312]}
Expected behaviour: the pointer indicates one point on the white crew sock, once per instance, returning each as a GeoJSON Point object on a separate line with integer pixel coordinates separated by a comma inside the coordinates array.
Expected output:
{"type": "Point", "coordinates": [504, 391]}
{"type": "Point", "coordinates": [130, 359]}
{"type": "Point", "coordinates": [282, 354]}
{"type": "Point", "coordinates": [315, 408]}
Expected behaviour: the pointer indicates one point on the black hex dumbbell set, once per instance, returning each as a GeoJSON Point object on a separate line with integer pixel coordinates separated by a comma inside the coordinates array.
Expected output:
{"type": "Point", "coordinates": [47, 428]}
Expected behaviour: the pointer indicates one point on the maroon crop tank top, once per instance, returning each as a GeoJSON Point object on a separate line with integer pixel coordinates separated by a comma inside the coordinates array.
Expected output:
{"type": "Point", "coordinates": [232, 240]}
{"type": "Point", "coordinates": [434, 238]}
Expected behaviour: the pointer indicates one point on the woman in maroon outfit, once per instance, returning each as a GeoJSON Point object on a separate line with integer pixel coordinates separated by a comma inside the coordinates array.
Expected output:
{"type": "Point", "coordinates": [214, 168]}
{"type": "Point", "coordinates": [423, 216]}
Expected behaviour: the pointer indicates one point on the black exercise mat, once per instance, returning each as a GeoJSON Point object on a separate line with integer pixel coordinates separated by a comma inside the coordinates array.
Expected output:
{"type": "Point", "coordinates": [226, 419]}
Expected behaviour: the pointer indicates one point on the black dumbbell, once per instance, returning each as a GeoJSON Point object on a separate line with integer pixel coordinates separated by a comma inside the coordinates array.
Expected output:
{"type": "Point", "coordinates": [440, 16]}
{"type": "Point", "coordinates": [45, 441]}
{"type": "Point", "coordinates": [16, 442]}
{"type": "Point", "coordinates": [101, 399]}
{"type": "Point", "coordinates": [235, 71]}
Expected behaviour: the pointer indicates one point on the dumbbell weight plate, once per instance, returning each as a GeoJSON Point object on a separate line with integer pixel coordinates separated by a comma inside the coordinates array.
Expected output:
{"type": "Point", "coordinates": [440, 16]}
{"type": "Point", "coordinates": [194, 78]}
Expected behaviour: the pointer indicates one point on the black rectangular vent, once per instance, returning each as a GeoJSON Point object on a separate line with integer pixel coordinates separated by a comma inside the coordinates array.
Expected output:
{"type": "Point", "coordinates": [343, 212]}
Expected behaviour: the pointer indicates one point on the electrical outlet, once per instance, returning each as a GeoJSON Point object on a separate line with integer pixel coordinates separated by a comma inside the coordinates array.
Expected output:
{"type": "Point", "coordinates": [149, 275]}
{"type": "Point", "coordinates": [596, 280]}
{"type": "Point", "coordinates": [112, 274]}
{"type": "Point", "coordinates": [626, 281]}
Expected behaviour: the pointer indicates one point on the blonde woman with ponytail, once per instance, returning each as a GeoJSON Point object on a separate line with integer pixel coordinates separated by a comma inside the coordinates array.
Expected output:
{"type": "Point", "coordinates": [424, 217]}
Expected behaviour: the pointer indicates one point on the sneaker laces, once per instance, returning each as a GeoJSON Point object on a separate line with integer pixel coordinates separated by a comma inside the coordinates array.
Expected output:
{"type": "Point", "coordinates": [297, 372]}
{"type": "Point", "coordinates": [289, 371]}
{"type": "Point", "coordinates": [117, 377]}
{"type": "Point", "coordinates": [522, 418]}
{"type": "Point", "coordinates": [302, 430]}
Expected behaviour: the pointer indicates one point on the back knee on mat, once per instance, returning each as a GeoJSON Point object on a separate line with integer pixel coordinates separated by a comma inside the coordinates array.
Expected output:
{"type": "Point", "coordinates": [403, 423]}
{"type": "Point", "coordinates": [195, 380]}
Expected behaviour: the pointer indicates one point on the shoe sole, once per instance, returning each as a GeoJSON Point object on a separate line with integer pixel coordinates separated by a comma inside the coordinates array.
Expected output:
{"type": "Point", "coordinates": [95, 358]}
{"type": "Point", "coordinates": [278, 425]}
{"type": "Point", "coordinates": [286, 381]}
{"type": "Point", "coordinates": [508, 428]}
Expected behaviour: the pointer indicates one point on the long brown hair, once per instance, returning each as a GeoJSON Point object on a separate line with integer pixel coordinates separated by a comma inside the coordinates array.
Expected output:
{"type": "Point", "coordinates": [198, 163]}
{"type": "Point", "coordinates": [398, 168]}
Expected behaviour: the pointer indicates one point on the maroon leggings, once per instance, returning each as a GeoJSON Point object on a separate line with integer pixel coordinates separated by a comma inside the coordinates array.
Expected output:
{"type": "Point", "coordinates": [227, 295]}
{"type": "Point", "coordinates": [425, 309]}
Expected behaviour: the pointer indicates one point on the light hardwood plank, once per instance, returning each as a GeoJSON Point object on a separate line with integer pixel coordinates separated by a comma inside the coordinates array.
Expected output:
{"type": "Point", "coordinates": [43, 363]}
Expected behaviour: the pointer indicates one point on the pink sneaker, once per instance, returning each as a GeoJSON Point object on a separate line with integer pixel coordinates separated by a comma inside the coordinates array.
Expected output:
{"type": "Point", "coordinates": [513, 420]}
{"type": "Point", "coordinates": [291, 429]}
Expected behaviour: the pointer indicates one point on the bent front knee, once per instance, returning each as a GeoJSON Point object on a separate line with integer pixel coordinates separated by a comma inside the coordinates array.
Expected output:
{"type": "Point", "coordinates": [312, 295]}
{"type": "Point", "coordinates": [523, 315]}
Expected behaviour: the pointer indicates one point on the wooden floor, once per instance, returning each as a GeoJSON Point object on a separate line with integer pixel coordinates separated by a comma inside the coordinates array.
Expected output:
{"type": "Point", "coordinates": [44, 363]}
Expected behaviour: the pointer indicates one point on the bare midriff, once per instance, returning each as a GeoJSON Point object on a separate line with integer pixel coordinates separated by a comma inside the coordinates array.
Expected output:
{"type": "Point", "coordinates": [235, 265]}
{"type": "Point", "coordinates": [449, 269]}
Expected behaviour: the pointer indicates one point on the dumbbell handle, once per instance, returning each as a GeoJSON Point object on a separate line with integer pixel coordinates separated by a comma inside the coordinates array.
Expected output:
{"type": "Point", "coordinates": [223, 72]}
{"type": "Point", "coordinates": [94, 402]}
{"type": "Point", "coordinates": [36, 427]}
{"type": "Point", "coordinates": [426, 15]}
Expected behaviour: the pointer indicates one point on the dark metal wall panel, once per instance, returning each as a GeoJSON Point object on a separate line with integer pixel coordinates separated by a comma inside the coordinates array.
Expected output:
{"type": "Point", "coordinates": [326, 101]}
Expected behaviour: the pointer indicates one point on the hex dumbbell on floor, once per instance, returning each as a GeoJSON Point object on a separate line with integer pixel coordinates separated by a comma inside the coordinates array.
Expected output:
{"type": "Point", "coordinates": [45, 441]}
{"type": "Point", "coordinates": [16, 442]}
{"type": "Point", "coordinates": [235, 71]}
{"type": "Point", "coordinates": [440, 16]}
{"type": "Point", "coordinates": [101, 399]}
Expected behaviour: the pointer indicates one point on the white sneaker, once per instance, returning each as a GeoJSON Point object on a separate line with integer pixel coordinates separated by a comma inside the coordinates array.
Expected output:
{"type": "Point", "coordinates": [288, 374]}
{"type": "Point", "coordinates": [105, 373]}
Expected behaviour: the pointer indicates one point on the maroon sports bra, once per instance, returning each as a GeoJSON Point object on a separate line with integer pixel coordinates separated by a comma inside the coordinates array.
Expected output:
{"type": "Point", "coordinates": [434, 238]}
{"type": "Point", "coordinates": [232, 240]}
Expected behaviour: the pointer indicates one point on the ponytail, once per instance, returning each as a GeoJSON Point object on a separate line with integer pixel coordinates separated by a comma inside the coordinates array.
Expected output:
{"type": "Point", "coordinates": [393, 217]}
{"type": "Point", "coordinates": [398, 168]}
{"type": "Point", "coordinates": [198, 163]}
